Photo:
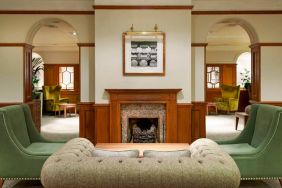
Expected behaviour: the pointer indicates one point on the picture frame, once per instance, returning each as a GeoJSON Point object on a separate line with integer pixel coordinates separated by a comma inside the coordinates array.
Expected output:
{"type": "Point", "coordinates": [144, 53]}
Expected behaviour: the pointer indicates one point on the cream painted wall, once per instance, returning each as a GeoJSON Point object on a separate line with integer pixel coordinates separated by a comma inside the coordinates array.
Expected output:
{"type": "Point", "coordinates": [59, 57]}
{"type": "Point", "coordinates": [198, 70]}
{"type": "Point", "coordinates": [87, 74]}
{"type": "Point", "coordinates": [108, 51]}
{"type": "Point", "coordinates": [15, 28]}
{"type": "Point", "coordinates": [271, 76]}
{"type": "Point", "coordinates": [11, 74]}
{"type": "Point", "coordinates": [267, 32]}
{"type": "Point", "coordinates": [223, 57]}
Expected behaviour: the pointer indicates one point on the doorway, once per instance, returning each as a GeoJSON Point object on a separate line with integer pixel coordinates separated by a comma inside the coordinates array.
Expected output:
{"type": "Point", "coordinates": [55, 43]}
{"type": "Point", "coordinates": [227, 40]}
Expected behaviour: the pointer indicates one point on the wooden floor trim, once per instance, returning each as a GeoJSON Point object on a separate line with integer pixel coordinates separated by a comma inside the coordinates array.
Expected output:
{"type": "Point", "coordinates": [226, 12]}
{"type": "Point", "coordinates": [71, 12]}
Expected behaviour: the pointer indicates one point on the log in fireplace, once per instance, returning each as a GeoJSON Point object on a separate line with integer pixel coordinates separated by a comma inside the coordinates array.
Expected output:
{"type": "Point", "coordinates": [143, 130]}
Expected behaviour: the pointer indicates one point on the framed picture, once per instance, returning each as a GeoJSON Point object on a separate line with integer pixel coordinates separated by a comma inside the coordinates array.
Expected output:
{"type": "Point", "coordinates": [144, 53]}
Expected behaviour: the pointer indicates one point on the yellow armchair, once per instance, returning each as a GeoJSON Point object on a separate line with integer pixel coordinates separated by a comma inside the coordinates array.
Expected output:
{"type": "Point", "coordinates": [230, 98]}
{"type": "Point", "coordinates": [52, 98]}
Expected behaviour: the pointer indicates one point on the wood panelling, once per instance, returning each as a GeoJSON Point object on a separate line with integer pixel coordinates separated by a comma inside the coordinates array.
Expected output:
{"type": "Point", "coordinates": [27, 81]}
{"type": "Point", "coordinates": [162, 96]}
{"type": "Point", "coordinates": [212, 93]}
{"type": "Point", "coordinates": [102, 123]}
{"type": "Point", "coordinates": [86, 44]}
{"type": "Point", "coordinates": [35, 109]}
{"type": "Point", "coordinates": [72, 12]}
{"type": "Point", "coordinates": [51, 77]}
{"type": "Point", "coordinates": [87, 121]}
{"type": "Point", "coordinates": [227, 73]}
{"type": "Point", "coordinates": [199, 44]}
{"type": "Point", "coordinates": [198, 125]}
{"type": "Point", "coordinates": [256, 72]}
{"type": "Point", "coordinates": [269, 44]}
{"type": "Point", "coordinates": [144, 7]}
{"type": "Point", "coordinates": [184, 131]}
{"type": "Point", "coordinates": [236, 12]}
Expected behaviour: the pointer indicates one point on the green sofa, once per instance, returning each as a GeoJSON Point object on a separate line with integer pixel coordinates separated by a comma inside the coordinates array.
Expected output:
{"type": "Point", "coordinates": [229, 100]}
{"type": "Point", "coordinates": [22, 149]}
{"type": "Point", "coordinates": [258, 149]}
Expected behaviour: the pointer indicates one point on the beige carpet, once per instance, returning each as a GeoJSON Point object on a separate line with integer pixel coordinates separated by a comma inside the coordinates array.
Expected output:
{"type": "Point", "coordinates": [59, 128]}
{"type": "Point", "coordinates": [222, 127]}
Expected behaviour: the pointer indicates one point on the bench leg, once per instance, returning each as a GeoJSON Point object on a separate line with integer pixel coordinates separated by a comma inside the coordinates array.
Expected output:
{"type": "Point", "coordinates": [1, 183]}
{"type": "Point", "coordinates": [236, 125]}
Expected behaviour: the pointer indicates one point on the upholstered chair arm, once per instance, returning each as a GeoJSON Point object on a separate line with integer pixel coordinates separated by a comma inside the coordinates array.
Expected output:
{"type": "Point", "coordinates": [64, 100]}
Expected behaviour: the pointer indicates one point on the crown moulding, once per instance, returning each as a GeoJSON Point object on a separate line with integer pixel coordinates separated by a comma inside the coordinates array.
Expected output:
{"type": "Point", "coordinates": [143, 7]}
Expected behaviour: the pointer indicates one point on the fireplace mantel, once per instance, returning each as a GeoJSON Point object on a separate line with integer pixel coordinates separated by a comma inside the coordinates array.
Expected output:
{"type": "Point", "coordinates": [150, 96]}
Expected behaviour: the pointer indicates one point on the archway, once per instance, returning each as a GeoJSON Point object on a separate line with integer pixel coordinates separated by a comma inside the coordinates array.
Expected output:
{"type": "Point", "coordinates": [226, 39]}
{"type": "Point", "coordinates": [56, 42]}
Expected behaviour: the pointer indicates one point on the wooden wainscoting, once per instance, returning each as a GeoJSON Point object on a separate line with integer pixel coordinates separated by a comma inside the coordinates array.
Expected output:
{"type": "Point", "coordinates": [87, 121]}
{"type": "Point", "coordinates": [95, 122]}
{"type": "Point", "coordinates": [184, 130]}
{"type": "Point", "coordinates": [198, 125]}
{"type": "Point", "coordinates": [51, 77]}
{"type": "Point", "coordinates": [102, 122]}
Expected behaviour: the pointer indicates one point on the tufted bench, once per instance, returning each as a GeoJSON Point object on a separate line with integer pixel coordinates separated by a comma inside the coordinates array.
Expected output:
{"type": "Point", "coordinates": [74, 166]}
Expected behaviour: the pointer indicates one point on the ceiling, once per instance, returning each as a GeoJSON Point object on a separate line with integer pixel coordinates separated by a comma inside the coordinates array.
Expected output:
{"type": "Point", "coordinates": [227, 36]}
{"type": "Point", "coordinates": [55, 35]}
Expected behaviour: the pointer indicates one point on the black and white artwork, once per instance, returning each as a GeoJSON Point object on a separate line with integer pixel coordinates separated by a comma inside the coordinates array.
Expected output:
{"type": "Point", "coordinates": [144, 54]}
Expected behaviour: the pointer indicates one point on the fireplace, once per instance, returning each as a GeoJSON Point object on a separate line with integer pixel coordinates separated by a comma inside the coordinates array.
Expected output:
{"type": "Point", "coordinates": [143, 103]}
{"type": "Point", "coordinates": [143, 130]}
{"type": "Point", "coordinates": [143, 123]}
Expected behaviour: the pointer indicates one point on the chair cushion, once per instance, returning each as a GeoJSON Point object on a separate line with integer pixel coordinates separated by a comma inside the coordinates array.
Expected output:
{"type": "Point", "coordinates": [177, 153]}
{"type": "Point", "coordinates": [230, 91]}
{"type": "Point", "coordinates": [238, 149]}
{"type": "Point", "coordinates": [107, 153]}
{"type": "Point", "coordinates": [264, 118]}
{"type": "Point", "coordinates": [41, 148]}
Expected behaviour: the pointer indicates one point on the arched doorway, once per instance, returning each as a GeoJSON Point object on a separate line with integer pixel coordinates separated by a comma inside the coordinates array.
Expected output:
{"type": "Point", "coordinates": [55, 41]}
{"type": "Point", "coordinates": [226, 39]}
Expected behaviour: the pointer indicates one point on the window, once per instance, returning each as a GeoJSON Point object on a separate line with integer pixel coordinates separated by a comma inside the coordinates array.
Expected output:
{"type": "Point", "coordinates": [213, 76]}
{"type": "Point", "coordinates": [66, 77]}
{"type": "Point", "coordinates": [244, 69]}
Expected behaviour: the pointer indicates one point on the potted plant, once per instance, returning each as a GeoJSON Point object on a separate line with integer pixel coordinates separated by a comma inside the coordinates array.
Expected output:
{"type": "Point", "coordinates": [37, 65]}
{"type": "Point", "coordinates": [246, 79]}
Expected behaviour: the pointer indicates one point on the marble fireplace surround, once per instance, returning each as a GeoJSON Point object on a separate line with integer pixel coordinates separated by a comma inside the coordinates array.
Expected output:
{"type": "Point", "coordinates": [165, 97]}
{"type": "Point", "coordinates": [143, 111]}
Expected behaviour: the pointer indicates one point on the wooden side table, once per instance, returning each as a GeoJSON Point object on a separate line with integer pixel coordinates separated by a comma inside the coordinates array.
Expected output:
{"type": "Point", "coordinates": [213, 105]}
{"type": "Point", "coordinates": [65, 107]}
{"type": "Point", "coordinates": [242, 115]}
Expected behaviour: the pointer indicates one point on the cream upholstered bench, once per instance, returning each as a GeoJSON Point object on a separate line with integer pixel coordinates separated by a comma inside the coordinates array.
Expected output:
{"type": "Point", "coordinates": [74, 166]}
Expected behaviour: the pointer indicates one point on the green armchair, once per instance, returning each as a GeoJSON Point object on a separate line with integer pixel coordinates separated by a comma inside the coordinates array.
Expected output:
{"type": "Point", "coordinates": [52, 98]}
{"type": "Point", "coordinates": [229, 100]}
{"type": "Point", "coordinates": [257, 150]}
{"type": "Point", "coordinates": [22, 149]}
